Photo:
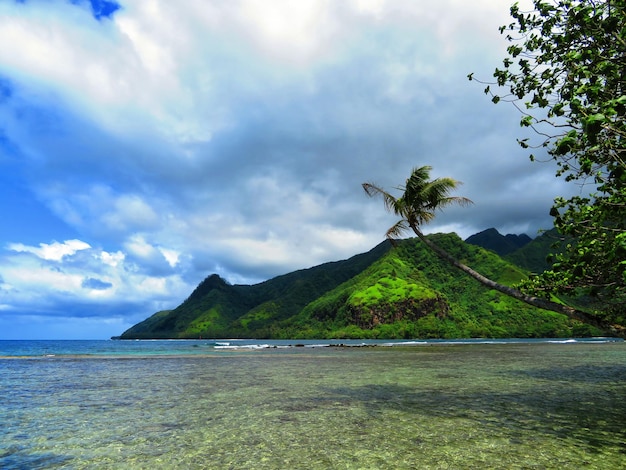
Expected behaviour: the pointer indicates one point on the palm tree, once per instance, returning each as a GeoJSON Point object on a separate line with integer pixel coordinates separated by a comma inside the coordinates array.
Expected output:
{"type": "Point", "coordinates": [417, 205]}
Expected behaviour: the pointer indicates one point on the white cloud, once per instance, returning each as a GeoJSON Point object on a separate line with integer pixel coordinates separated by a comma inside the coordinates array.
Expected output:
{"type": "Point", "coordinates": [36, 284]}
{"type": "Point", "coordinates": [172, 256]}
{"type": "Point", "coordinates": [112, 259]}
{"type": "Point", "coordinates": [295, 32]}
{"type": "Point", "coordinates": [204, 136]}
{"type": "Point", "coordinates": [34, 278]}
{"type": "Point", "coordinates": [130, 211]}
{"type": "Point", "coordinates": [138, 246]}
{"type": "Point", "coordinates": [54, 251]}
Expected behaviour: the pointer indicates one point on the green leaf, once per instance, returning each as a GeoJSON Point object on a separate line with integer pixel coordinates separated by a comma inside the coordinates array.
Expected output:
{"type": "Point", "coordinates": [526, 121]}
{"type": "Point", "coordinates": [564, 63]}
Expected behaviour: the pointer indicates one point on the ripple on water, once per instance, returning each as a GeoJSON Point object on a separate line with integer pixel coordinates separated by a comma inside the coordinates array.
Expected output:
{"type": "Point", "coordinates": [469, 406]}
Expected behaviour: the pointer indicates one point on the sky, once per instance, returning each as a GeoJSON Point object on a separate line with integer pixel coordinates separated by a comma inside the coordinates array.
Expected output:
{"type": "Point", "coordinates": [146, 144]}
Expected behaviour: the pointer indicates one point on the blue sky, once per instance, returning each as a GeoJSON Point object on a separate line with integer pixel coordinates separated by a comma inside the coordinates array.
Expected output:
{"type": "Point", "coordinates": [145, 145]}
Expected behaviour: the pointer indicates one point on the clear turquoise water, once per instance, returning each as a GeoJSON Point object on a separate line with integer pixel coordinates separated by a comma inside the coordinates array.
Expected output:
{"type": "Point", "coordinates": [519, 405]}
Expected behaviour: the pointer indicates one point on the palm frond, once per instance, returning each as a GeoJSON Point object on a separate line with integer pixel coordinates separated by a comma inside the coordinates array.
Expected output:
{"type": "Point", "coordinates": [437, 190]}
{"type": "Point", "coordinates": [419, 200]}
{"type": "Point", "coordinates": [396, 230]}
{"type": "Point", "coordinates": [419, 176]}
{"type": "Point", "coordinates": [390, 202]}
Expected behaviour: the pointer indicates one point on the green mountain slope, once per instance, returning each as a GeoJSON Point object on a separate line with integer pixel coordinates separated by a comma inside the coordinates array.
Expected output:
{"type": "Point", "coordinates": [410, 293]}
{"type": "Point", "coordinates": [404, 292]}
{"type": "Point", "coordinates": [217, 309]}
{"type": "Point", "coordinates": [534, 256]}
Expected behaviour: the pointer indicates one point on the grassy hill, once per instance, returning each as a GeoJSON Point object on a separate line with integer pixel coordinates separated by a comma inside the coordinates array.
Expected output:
{"type": "Point", "coordinates": [401, 292]}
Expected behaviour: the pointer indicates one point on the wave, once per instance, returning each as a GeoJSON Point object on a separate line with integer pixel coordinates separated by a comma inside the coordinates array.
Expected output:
{"type": "Point", "coordinates": [285, 344]}
{"type": "Point", "coordinates": [52, 349]}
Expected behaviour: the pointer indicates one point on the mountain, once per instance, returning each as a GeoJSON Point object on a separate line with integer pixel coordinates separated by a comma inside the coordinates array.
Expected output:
{"type": "Point", "coordinates": [493, 240]}
{"type": "Point", "coordinates": [533, 256]}
{"type": "Point", "coordinates": [521, 250]}
{"type": "Point", "coordinates": [216, 308]}
{"type": "Point", "coordinates": [389, 292]}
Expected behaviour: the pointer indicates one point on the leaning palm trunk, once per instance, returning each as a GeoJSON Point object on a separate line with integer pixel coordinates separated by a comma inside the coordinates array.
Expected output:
{"type": "Point", "coordinates": [545, 304]}
{"type": "Point", "coordinates": [417, 206]}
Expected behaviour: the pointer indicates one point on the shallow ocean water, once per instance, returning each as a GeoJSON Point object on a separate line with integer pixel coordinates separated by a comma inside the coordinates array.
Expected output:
{"type": "Point", "coordinates": [514, 406]}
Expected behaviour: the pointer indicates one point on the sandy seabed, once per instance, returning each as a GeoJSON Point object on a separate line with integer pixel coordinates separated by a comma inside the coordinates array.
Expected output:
{"type": "Point", "coordinates": [511, 406]}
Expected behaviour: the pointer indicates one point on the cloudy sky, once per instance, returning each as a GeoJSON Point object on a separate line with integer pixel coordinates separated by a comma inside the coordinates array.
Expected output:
{"type": "Point", "coordinates": [146, 144]}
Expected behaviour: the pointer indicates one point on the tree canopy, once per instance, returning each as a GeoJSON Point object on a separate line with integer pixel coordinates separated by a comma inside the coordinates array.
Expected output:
{"type": "Point", "coordinates": [420, 199]}
{"type": "Point", "coordinates": [565, 72]}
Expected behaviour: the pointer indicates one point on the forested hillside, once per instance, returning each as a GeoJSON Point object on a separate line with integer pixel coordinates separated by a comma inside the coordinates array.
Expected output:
{"type": "Point", "coordinates": [401, 292]}
{"type": "Point", "coordinates": [217, 309]}
{"type": "Point", "coordinates": [521, 250]}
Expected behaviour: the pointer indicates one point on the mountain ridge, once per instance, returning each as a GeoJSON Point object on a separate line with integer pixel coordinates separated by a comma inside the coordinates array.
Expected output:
{"type": "Point", "coordinates": [493, 240]}
{"type": "Point", "coordinates": [404, 291]}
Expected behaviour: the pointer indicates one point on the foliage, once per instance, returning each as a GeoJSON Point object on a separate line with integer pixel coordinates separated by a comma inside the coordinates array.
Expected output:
{"type": "Point", "coordinates": [217, 309]}
{"type": "Point", "coordinates": [401, 293]}
{"type": "Point", "coordinates": [463, 308]}
{"type": "Point", "coordinates": [420, 199]}
{"type": "Point", "coordinates": [147, 328]}
{"type": "Point", "coordinates": [565, 71]}
{"type": "Point", "coordinates": [538, 255]}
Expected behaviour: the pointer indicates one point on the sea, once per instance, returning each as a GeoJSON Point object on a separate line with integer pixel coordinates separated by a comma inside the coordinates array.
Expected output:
{"type": "Point", "coordinates": [247, 404]}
